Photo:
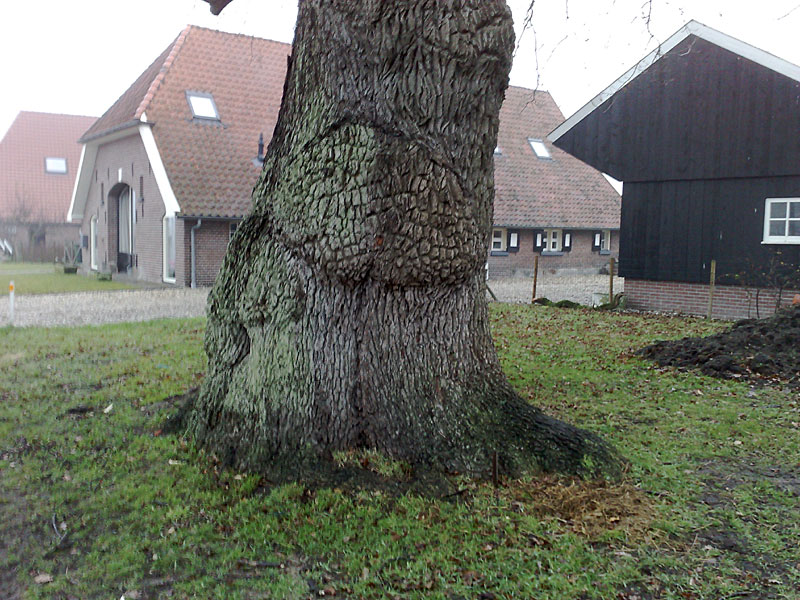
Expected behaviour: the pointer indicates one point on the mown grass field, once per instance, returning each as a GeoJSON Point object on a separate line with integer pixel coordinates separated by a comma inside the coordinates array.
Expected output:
{"type": "Point", "coordinates": [96, 502]}
{"type": "Point", "coordinates": [48, 278]}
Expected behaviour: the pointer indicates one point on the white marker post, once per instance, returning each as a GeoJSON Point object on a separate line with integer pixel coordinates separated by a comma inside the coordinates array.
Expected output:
{"type": "Point", "coordinates": [11, 303]}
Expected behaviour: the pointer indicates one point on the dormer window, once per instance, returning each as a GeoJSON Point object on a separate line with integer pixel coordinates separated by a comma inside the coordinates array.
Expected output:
{"type": "Point", "coordinates": [202, 105]}
{"type": "Point", "coordinates": [57, 166]}
{"type": "Point", "coordinates": [498, 151]}
{"type": "Point", "coordinates": [539, 149]}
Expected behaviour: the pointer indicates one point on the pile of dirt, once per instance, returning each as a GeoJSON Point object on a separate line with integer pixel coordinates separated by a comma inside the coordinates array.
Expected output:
{"type": "Point", "coordinates": [758, 349]}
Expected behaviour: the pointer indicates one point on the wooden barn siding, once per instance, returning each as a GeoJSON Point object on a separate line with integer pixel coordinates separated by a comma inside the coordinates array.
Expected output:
{"type": "Point", "coordinates": [699, 112]}
{"type": "Point", "coordinates": [672, 230]}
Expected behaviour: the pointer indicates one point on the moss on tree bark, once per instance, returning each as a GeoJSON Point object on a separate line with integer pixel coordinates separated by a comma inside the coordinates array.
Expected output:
{"type": "Point", "coordinates": [350, 310]}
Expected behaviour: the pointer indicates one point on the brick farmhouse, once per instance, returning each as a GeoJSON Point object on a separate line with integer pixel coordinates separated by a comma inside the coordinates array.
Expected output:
{"type": "Point", "coordinates": [38, 165]}
{"type": "Point", "coordinates": [167, 172]}
{"type": "Point", "coordinates": [547, 202]}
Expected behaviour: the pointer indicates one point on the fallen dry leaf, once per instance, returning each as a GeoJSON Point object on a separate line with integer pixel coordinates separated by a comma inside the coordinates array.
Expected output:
{"type": "Point", "coordinates": [42, 578]}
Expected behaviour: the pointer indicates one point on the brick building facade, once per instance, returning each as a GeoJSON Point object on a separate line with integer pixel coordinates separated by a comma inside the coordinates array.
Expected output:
{"type": "Point", "coordinates": [167, 172]}
{"type": "Point", "coordinates": [547, 203]}
{"type": "Point", "coordinates": [39, 158]}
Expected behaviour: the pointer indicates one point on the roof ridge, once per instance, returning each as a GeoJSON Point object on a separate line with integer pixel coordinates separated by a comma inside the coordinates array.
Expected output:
{"type": "Point", "coordinates": [156, 83]}
{"type": "Point", "coordinates": [237, 34]}
{"type": "Point", "coordinates": [527, 89]}
{"type": "Point", "coordinates": [52, 114]}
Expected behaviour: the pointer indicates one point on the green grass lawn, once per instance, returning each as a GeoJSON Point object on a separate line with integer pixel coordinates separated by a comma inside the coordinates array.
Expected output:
{"type": "Point", "coordinates": [48, 278]}
{"type": "Point", "coordinates": [96, 498]}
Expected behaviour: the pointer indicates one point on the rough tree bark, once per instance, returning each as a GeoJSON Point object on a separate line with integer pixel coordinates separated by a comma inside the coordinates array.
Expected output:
{"type": "Point", "coordinates": [350, 311]}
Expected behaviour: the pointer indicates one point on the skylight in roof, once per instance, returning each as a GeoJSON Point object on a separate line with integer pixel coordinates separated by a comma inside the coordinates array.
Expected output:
{"type": "Point", "coordinates": [539, 149]}
{"type": "Point", "coordinates": [202, 105]}
{"type": "Point", "coordinates": [55, 165]}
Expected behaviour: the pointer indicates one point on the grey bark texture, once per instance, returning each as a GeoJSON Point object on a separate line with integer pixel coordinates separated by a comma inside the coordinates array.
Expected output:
{"type": "Point", "coordinates": [350, 311]}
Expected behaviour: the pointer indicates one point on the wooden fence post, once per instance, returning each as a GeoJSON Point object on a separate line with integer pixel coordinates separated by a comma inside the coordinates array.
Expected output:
{"type": "Point", "coordinates": [711, 284]}
{"type": "Point", "coordinates": [611, 280]}
{"type": "Point", "coordinates": [535, 276]}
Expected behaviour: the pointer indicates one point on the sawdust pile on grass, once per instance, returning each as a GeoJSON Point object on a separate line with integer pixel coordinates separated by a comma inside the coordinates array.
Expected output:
{"type": "Point", "coordinates": [588, 508]}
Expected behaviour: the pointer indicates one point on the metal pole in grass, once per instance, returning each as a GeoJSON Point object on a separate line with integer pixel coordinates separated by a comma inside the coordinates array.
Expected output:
{"type": "Point", "coordinates": [611, 280]}
{"type": "Point", "coordinates": [711, 284]}
{"type": "Point", "coordinates": [535, 276]}
{"type": "Point", "coordinates": [11, 302]}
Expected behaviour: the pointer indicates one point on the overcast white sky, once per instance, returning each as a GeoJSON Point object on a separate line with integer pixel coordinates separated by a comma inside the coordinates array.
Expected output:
{"type": "Point", "coordinates": [78, 57]}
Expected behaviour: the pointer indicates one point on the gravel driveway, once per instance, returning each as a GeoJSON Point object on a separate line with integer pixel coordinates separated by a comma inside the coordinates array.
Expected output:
{"type": "Point", "coordinates": [94, 308]}
{"type": "Point", "coordinates": [555, 287]}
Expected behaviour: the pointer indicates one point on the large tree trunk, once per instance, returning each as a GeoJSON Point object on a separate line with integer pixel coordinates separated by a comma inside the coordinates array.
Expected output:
{"type": "Point", "coordinates": [350, 311]}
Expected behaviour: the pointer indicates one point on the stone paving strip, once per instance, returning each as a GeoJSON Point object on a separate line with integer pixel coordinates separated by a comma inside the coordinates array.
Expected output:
{"type": "Point", "coordinates": [95, 308]}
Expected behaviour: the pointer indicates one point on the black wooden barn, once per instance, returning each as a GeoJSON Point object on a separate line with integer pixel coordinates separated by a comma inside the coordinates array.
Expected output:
{"type": "Point", "coordinates": [705, 134]}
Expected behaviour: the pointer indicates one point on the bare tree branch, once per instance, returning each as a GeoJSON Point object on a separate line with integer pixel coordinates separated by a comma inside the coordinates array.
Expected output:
{"type": "Point", "coordinates": [217, 5]}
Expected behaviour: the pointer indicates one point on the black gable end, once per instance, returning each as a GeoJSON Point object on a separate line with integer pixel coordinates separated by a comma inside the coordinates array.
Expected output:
{"type": "Point", "coordinates": [698, 112]}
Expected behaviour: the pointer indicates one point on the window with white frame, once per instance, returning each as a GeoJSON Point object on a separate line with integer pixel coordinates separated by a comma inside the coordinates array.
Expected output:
{"type": "Point", "coordinates": [93, 243]}
{"type": "Point", "coordinates": [552, 240]}
{"type": "Point", "coordinates": [57, 166]}
{"type": "Point", "coordinates": [602, 240]}
{"type": "Point", "coordinates": [539, 149]}
{"type": "Point", "coordinates": [169, 249]}
{"type": "Point", "coordinates": [498, 240]}
{"type": "Point", "coordinates": [782, 221]}
{"type": "Point", "coordinates": [127, 220]}
{"type": "Point", "coordinates": [202, 105]}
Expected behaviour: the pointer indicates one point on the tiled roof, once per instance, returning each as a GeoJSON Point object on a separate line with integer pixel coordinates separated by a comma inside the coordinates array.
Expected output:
{"type": "Point", "coordinates": [209, 164]}
{"type": "Point", "coordinates": [532, 192]}
{"type": "Point", "coordinates": [27, 192]}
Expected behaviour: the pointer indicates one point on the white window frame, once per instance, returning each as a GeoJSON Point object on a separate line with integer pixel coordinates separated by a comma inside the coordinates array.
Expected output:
{"type": "Point", "coordinates": [602, 240]}
{"type": "Point", "coordinates": [93, 243]}
{"type": "Point", "coordinates": [605, 241]}
{"type": "Point", "coordinates": [168, 223]}
{"type": "Point", "coordinates": [540, 149]}
{"type": "Point", "coordinates": [55, 165]}
{"type": "Point", "coordinates": [768, 219]}
{"type": "Point", "coordinates": [552, 240]}
{"type": "Point", "coordinates": [498, 243]}
{"type": "Point", "coordinates": [202, 106]}
{"type": "Point", "coordinates": [513, 239]}
{"type": "Point", "coordinates": [126, 204]}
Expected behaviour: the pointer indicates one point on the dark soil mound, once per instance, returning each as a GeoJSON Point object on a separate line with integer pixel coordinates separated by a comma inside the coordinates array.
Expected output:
{"type": "Point", "coordinates": [753, 348]}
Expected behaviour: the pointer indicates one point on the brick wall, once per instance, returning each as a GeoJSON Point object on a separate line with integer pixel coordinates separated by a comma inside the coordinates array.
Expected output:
{"type": "Point", "coordinates": [211, 243]}
{"type": "Point", "coordinates": [730, 302]}
{"type": "Point", "coordinates": [119, 163]}
{"type": "Point", "coordinates": [580, 257]}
